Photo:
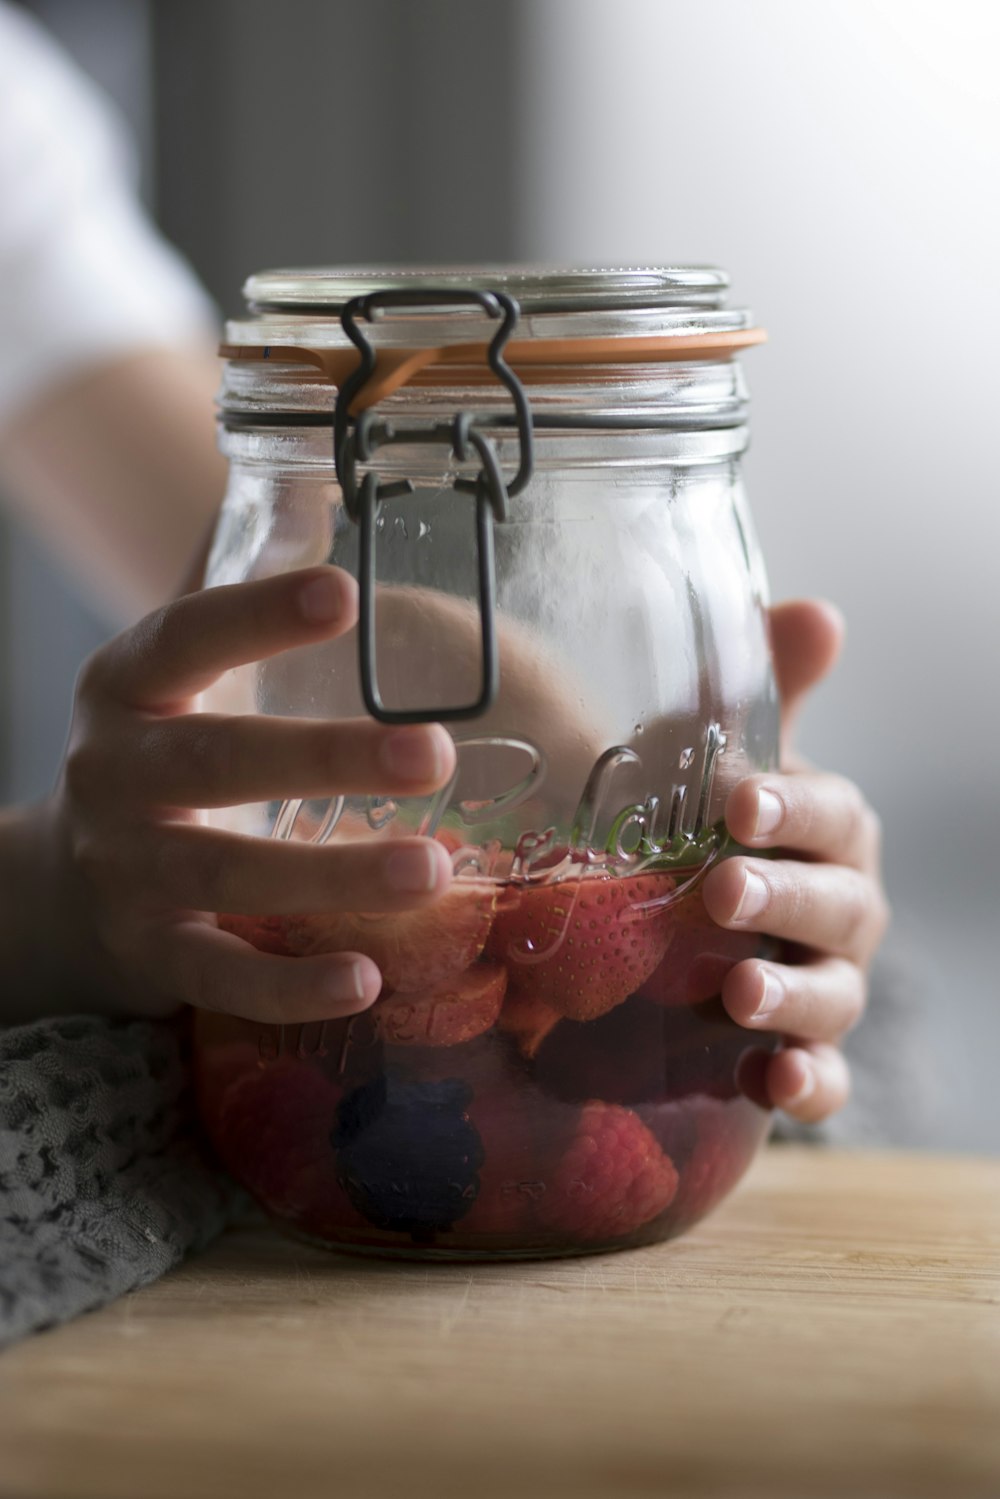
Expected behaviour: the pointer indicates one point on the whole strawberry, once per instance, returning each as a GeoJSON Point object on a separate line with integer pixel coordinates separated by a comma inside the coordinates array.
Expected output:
{"type": "Point", "coordinates": [610, 1178]}
{"type": "Point", "coordinates": [583, 946]}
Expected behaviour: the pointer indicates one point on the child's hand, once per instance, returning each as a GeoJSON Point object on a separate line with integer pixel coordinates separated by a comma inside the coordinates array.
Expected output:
{"type": "Point", "coordinates": [828, 900]}
{"type": "Point", "coordinates": [141, 875]}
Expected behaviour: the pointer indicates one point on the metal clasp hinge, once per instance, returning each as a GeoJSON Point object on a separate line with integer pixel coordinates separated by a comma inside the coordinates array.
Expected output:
{"type": "Point", "coordinates": [358, 443]}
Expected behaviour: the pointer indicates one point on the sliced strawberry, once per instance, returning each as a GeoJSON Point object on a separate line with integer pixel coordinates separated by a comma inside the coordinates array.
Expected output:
{"type": "Point", "coordinates": [266, 933]}
{"type": "Point", "coordinates": [528, 1021]}
{"type": "Point", "coordinates": [583, 946]}
{"type": "Point", "coordinates": [699, 956]}
{"type": "Point", "coordinates": [415, 950]}
{"type": "Point", "coordinates": [447, 1016]}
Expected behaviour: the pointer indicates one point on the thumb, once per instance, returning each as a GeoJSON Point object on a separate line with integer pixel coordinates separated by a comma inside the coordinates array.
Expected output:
{"type": "Point", "coordinates": [806, 637]}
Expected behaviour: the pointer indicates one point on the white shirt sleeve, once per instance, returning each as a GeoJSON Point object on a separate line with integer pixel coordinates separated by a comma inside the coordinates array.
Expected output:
{"type": "Point", "coordinates": [84, 276]}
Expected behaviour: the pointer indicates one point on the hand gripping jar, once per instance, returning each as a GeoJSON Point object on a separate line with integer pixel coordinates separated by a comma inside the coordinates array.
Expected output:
{"type": "Point", "coordinates": [535, 477]}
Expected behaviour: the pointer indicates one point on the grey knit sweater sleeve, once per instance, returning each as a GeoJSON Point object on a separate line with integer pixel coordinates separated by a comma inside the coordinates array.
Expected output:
{"type": "Point", "coordinates": [103, 1182]}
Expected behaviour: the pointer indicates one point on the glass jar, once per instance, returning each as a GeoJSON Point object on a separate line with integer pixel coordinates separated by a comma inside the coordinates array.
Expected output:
{"type": "Point", "coordinates": [536, 477]}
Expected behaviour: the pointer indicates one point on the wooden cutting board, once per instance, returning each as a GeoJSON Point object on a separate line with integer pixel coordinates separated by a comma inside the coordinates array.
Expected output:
{"type": "Point", "coordinates": [833, 1330]}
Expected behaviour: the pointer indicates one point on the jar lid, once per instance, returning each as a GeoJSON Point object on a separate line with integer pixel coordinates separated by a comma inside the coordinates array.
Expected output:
{"type": "Point", "coordinates": [536, 288]}
{"type": "Point", "coordinates": [605, 342]}
{"type": "Point", "coordinates": [433, 321]}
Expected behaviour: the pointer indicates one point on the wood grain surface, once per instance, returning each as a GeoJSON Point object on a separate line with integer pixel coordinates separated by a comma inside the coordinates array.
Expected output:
{"type": "Point", "coordinates": [833, 1330]}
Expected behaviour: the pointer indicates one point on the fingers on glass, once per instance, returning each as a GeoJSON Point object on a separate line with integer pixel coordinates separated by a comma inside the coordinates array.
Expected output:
{"type": "Point", "coordinates": [180, 649]}
{"type": "Point", "coordinates": [213, 970]}
{"type": "Point", "coordinates": [191, 867]}
{"type": "Point", "coordinates": [205, 760]}
{"type": "Point", "coordinates": [829, 907]}
{"type": "Point", "coordinates": [815, 813]}
{"type": "Point", "coordinates": [818, 1001]}
{"type": "Point", "coordinates": [809, 1082]}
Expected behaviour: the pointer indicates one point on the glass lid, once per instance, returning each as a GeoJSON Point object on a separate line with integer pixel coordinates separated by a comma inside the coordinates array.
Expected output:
{"type": "Point", "coordinates": [536, 288]}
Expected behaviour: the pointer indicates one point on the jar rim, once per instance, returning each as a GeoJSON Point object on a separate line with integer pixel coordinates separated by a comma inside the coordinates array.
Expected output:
{"type": "Point", "coordinates": [537, 288]}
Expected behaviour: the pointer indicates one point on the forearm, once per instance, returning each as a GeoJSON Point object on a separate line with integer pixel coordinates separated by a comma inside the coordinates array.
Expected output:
{"type": "Point", "coordinates": [118, 473]}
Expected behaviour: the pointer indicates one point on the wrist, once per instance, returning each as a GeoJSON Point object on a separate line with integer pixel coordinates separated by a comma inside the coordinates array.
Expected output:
{"type": "Point", "coordinates": [50, 956]}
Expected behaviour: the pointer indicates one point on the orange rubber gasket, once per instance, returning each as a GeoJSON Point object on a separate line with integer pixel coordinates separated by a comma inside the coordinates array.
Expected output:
{"type": "Point", "coordinates": [533, 359]}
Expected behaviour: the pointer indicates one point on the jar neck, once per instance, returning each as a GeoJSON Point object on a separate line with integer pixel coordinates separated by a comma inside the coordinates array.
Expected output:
{"type": "Point", "coordinates": [703, 392]}
{"type": "Point", "coordinates": [299, 449]}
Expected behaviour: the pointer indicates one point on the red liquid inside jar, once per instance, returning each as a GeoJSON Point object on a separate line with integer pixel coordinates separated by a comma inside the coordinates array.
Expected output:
{"type": "Point", "coordinates": [551, 1073]}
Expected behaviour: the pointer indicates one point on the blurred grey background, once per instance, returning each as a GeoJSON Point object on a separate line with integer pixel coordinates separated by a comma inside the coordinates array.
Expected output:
{"type": "Point", "coordinates": [840, 161]}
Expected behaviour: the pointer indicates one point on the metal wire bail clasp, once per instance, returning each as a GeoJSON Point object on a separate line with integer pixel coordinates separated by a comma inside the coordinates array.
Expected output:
{"type": "Point", "coordinates": [358, 443]}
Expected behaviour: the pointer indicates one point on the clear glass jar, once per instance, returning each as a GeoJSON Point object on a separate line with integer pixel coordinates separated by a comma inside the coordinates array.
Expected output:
{"type": "Point", "coordinates": [550, 1069]}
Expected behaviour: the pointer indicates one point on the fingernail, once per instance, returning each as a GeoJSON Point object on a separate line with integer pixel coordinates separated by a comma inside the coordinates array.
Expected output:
{"type": "Point", "coordinates": [413, 754]}
{"type": "Point", "coordinates": [772, 993]}
{"type": "Point", "coordinates": [320, 599]}
{"type": "Point", "coordinates": [754, 898]}
{"type": "Point", "coordinates": [770, 813]}
{"type": "Point", "coordinates": [807, 1088]}
{"type": "Point", "coordinates": [412, 871]}
{"type": "Point", "coordinates": [347, 981]}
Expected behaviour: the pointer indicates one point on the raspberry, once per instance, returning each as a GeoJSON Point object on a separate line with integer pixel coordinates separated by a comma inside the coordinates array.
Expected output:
{"type": "Point", "coordinates": [726, 1139]}
{"type": "Point", "coordinates": [272, 1131]}
{"type": "Point", "coordinates": [408, 1155]}
{"type": "Point", "coordinates": [610, 1180]}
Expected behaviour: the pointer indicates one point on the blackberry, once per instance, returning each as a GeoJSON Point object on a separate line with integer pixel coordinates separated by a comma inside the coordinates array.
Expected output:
{"type": "Point", "coordinates": [407, 1155]}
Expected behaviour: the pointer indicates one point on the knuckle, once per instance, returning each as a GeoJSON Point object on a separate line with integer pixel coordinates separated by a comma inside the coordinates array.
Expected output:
{"type": "Point", "coordinates": [881, 916]}
{"type": "Point", "coordinates": [155, 633]}
{"type": "Point", "coordinates": [91, 679]}
{"type": "Point", "coordinates": [855, 1000]}
{"type": "Point", "coordinates": [98, 863]}
{"type": "Point", "coordinates": [212, 760]}
{"type": "Point", "coordinates": [855, 814]}
{"type": "Point", "coordinates": [794, 902]}
{"type": "Point", "coordinates": [199, 984]}
{"type": "Point", "coordinates": [851, 819]}
{"type": "Point", "coordinates": [208, 872]}
{"type": "Point", "coordinates": [872, 834]}
{"type": "Point", "coordinates": [85, 771]}
{"type": "Point", "coordinates": [164, 634]}
{"type": "Point", "coordinates": [853, 913]}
